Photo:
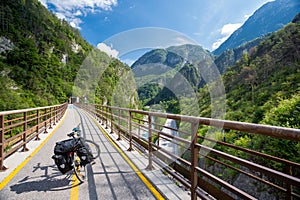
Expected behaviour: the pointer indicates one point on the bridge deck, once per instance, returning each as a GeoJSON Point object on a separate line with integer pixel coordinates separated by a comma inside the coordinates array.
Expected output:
{"type": "Point", "coordinates": [117, 174]}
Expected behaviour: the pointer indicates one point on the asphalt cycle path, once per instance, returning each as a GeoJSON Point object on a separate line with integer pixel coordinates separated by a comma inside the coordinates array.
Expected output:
{"type": "Point", "coordinates": [111, 177]}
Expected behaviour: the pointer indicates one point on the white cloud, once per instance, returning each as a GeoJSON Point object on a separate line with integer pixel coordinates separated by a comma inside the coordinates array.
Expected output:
{"type": "Point", "coordinates": [90, 5]}
{"type": "Point", "coordinates": [71, 10]}
{"type": "Point", "coordinates": [226, 31]}
{"type": "Point", "coordinates": [108, 49]}
{"type": "Point", "coordinates": [60, 16]}
{"type": "Point", "coordinates": [75, 22]}
{"type": "Point", "coordinates": [247, 16]}
{"type": "Point", "coordinates": [216, 44]}
{"type": "Point", "coordinates": [78, 13]}
{"type": "Point", "coordinates": [128, 61]}
{"type": "Point", "coordinates": [182, 40]}
{"type": "Point", "coordinates": [43, 2]}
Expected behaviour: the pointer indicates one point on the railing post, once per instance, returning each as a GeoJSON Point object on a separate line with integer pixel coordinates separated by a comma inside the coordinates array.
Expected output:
{"type": "Point", "coordinates": [45, 118]}
{"type": "Point", "coordinates": [102, 116]}
{"type": "Point", "coordinates": [59, 113]}
{"type": "Point", "coordinates": [150, 165]}
{"type": "Point", "coordinates": [25, 132]}
{"type": "Point", "coordinates": [130, 130]}
{"type": "Point", "coordinates": [50, 125]}
{"type": "Point", "coordinates": [119, 124]}
{"type": "Point", "coordinates": [111, 121]}
{"type": "Point", "coordinates": [139, 129]}
{"type": "Point", "coordinates": [97, 113]}
{"type": "Point", "coordinates": [63, 110]}
{"type": "Point", "coordinates": [288, 170]}
{"type": "Point", "coordinates": [194, 162]}
{"type": "Point", "coordinates": [2, 143]}
{"type": "Point", "coordinates": [55, 113]}
{"type": "Point", "coordinates": [37, 124]}
{"type": "Point", "coordinates": [106, 120]}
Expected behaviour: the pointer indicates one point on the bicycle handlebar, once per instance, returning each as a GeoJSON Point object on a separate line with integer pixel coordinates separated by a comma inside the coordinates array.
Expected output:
{"type": "Point", "coordinates": [70, 134]}
{"type": "Point", "coordinates": [75, 130]}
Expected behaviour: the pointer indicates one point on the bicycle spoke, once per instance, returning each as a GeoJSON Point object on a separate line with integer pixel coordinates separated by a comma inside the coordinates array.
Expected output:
{"type": "Point", "coordinates": [94, 148]}
{"type": "Point", "coordinates": [79, 170]}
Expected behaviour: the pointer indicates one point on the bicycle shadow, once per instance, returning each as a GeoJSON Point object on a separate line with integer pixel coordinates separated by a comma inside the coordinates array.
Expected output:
{"type": "Point", "coordinates": [55, 181]}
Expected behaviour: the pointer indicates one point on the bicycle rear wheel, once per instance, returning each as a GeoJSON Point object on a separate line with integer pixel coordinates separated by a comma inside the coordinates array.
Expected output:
{"type": "Point", "coordinates": [95, 149]}
{"type": "Point", "coordinates": [79, 170]}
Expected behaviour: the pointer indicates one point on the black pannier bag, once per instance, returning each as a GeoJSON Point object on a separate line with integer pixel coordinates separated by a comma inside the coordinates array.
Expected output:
{"type": "Point", "coordinates": [85, 154]}
{"type": "Point", "coordinates": [64, 146]}
{"type": "Point", "coordinates": [63, 162]}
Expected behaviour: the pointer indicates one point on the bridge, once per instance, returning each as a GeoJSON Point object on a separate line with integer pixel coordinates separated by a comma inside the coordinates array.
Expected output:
{"type": "Point", "coordinates": [137, 158]}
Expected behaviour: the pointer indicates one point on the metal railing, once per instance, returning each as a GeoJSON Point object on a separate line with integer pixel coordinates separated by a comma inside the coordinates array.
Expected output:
{"type": "Point", "coordinates": [18, 127]}
{"type": "Point", "coordinates": [192, 164]}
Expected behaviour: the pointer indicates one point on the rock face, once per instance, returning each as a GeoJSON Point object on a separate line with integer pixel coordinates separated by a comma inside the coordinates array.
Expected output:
{"type": "Point", "coordinates": [161, 56]}
{"type": "Point", "coordinates": [269, 18]}
{"type": "Point", "coordinates": [6, 44]}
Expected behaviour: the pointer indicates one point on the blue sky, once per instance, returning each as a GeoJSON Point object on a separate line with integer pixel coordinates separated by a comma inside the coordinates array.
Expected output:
{"type": "Point", "coordinates": [204, 22]}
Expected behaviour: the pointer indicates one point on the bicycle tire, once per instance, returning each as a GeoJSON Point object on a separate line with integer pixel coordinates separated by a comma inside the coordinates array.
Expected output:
{"type": "Point", "coordinates": [79, 170]}
{"type": "Point", "coordinates": [94, 148]}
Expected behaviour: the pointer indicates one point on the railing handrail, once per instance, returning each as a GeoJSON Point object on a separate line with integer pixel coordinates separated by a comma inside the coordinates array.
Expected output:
{"type": "Point", "coordinates": [22, 126]}
{"type": "Point", "coordinates": [189, 169]}
{"type": "Point", "coordinates": [274, 131]}
{"type": "Point", "coordinates": [9, 112]}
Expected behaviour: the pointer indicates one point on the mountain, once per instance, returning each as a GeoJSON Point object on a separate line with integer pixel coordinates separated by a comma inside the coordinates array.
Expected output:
{"type": "Point", "coordinates": [162, 56]}
{"type": "Point", "coordinates": [230, 56]}
{"type": "Point", "coordinates": [255, 75]}
{"type": "Point", "coordinates": [269, 18]}
{"type": "Point", "coordinates": [42, 57]}
{"type": "Point", "coordinates": [161, 73]}
{"type": "Point", "coordinates": [259, 82]}
{"type": "Point", "coordinates": [172, 56]}
{"type": "Point", "coordinates": [263, 87]}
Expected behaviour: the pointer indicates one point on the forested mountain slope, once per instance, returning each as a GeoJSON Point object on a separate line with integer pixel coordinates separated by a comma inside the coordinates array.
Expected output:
{"type": "Point", "coordinates": [156, 70]}
{"type": "Point", "coordinates": [40, 56]}
{"type": "Point", "coordinates": [263, 79]}
{"type": "Point", "coordinates": [270, 17]}
{"type": "Point", "coordinates": [264, 87]}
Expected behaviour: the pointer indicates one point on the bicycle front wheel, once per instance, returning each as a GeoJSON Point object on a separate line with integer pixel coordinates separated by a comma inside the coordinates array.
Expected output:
{"type": "Point", "coordinates": [79, 170]}
{"type": "Point", "coordinates": [95, 149]}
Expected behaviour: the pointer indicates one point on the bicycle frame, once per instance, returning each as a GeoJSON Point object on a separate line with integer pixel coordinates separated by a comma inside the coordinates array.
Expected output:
{"type": "Point", "coordinates": [78, 158]}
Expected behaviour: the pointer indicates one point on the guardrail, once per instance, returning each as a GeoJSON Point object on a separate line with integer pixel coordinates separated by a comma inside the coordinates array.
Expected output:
{"type": "Point", "coordinates": [194, 165]}
{"type": "Point", "coordinates": [18, 127]}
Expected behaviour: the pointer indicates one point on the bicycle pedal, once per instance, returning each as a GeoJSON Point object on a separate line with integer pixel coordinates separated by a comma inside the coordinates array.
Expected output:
{"type": "Point", "coordinates": [92, 163]}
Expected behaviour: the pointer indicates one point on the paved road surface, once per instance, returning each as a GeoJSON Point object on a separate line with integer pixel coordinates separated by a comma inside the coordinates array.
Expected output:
{"type": "Point", "coordinates": [114, 176]}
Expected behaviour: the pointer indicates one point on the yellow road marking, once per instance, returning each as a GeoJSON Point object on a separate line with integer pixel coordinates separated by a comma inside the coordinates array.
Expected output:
{"type": "Point", "coordinates": [15, 171]}
{"type": "Point", "coordinates": [75, 188]}
{"type": "Point", "coordinates": [154, 191]}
